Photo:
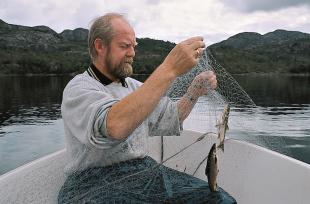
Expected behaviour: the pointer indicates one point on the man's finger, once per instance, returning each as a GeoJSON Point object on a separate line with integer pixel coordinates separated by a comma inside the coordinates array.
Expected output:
{"type": "Point", "coordinates": [209, 72]}
{"type": "Point", "coordinates": [212, 77]}
{"type": "Point", "coordinates": [196, 45]}
{"type": "Point", "coordinates": [193, 39]}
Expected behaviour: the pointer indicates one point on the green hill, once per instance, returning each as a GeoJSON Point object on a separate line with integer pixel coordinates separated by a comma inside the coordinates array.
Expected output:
{"type": "Point", "coordinates": [275, 52]}
{"type": "Point", "coordinates": [40, 50]}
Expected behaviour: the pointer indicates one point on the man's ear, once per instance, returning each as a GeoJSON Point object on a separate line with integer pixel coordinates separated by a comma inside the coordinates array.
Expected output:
{"type": "Point", "coordinates": [100, 47]}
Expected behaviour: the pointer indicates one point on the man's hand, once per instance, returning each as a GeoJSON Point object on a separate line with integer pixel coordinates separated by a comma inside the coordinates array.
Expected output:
{"type": "Point", "coordinates": [184, 56]}
{"type": "Point", "coordinates": [201, 84]}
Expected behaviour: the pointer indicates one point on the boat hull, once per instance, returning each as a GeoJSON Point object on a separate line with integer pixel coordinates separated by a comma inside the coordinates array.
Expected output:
{"type": "Point", "coordinates": [251, 174]}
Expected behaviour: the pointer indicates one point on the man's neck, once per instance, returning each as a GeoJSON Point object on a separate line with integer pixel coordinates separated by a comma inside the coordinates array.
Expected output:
{"type": "Point", "coordinates": [103, 70]}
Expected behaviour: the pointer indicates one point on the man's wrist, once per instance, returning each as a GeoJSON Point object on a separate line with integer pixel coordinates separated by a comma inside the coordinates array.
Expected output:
{"type": "Point", "coordinates": [192, 98]}
{"type": "Point", "coordinates": [168, 71]}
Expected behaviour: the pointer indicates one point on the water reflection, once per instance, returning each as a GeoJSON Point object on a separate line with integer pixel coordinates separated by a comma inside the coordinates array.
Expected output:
{"type": "Point", "coordinates": [276, 90]}
{"type": "Point", "coordinates": [30, 100]}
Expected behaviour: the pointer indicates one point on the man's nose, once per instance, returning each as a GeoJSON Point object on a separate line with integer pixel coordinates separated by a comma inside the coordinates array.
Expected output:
{"type": "Point", "coordinates": [131, 52]}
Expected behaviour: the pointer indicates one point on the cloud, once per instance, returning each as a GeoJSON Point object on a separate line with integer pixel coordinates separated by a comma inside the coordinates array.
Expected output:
{"type": "Point", "coordinates": [292, 18]}
{"type": "Point", "coordinates": [35, 12]}
{"type": "Point", "coordinates": [171, 20]}
{"type": "Point", "coordinates": [263, 5]}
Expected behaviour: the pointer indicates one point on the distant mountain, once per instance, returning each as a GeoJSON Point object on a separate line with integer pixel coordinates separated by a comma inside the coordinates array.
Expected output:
{"type": "Point", "coordinates": [40, 50]}
{"type": "Point", "coordinates": [79, 34]}
{"type": "Point", "coordinates": [280, 51]}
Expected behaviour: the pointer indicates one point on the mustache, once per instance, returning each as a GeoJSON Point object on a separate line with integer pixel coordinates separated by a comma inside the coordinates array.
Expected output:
{"type": "Point", "coordinates": [128, 60]}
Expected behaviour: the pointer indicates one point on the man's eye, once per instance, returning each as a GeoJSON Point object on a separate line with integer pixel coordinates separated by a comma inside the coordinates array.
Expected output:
{"type": "Point", "coordinates": [125, 46]}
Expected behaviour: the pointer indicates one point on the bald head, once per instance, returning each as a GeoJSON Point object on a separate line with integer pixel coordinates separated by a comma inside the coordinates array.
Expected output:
{"type": "Point", "coordinates": [104, 28]}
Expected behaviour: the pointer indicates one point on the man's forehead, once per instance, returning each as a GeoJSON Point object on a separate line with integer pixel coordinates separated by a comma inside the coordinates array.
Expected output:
{"type": "Point", "coordinates": [125, 38]}
{"type": "Point", "coordinates": [122, 26]}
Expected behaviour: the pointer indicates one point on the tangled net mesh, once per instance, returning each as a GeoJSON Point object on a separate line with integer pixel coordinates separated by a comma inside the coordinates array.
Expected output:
{"type": "Point", "coordinates": [152, 179]}
{"type": "Point", "coordinates": [244, 118]}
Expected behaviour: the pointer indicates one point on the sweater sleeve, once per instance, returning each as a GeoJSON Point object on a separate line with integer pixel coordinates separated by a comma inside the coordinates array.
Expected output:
{"type": "Point", "coordinates": [82, 103]}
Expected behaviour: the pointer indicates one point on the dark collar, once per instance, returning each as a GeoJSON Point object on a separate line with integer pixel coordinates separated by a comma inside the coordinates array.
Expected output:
{"type": "Point", "coordinates": [96, 74]}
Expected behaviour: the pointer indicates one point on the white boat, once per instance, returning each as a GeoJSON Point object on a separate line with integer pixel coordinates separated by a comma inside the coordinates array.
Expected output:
{"type": "Point", "coordinates": [251, 174]}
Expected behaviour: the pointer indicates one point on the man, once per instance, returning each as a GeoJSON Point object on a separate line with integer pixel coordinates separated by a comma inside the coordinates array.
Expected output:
{"type": "Point", "coordinates": [108, 115]}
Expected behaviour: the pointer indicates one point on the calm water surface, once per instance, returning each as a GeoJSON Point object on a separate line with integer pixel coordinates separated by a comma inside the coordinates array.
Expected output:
{"type": "Point", "coordinates": [31, 125]}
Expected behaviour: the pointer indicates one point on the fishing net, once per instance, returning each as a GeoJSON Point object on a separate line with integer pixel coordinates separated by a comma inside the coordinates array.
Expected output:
{"type": "Point", "coordinates": [138, 181]}
{"type": "Point", "coordinates": [246, 120]}
{"type": "Point", "coordinates": [205, 115]}
{"type": "Point", "coordinates": [174, 170]}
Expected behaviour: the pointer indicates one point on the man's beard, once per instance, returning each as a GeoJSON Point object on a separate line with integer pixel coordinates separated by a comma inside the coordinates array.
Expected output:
{"type": "Point", "coordinates": [121, 70]}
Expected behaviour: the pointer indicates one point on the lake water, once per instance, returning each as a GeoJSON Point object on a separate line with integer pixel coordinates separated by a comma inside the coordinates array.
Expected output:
{"type": "Point", "coordinates": [31, 124]}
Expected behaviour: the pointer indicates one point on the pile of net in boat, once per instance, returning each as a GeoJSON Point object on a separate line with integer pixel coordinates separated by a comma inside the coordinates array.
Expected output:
{"type": "Point", "coordinates": [138, 181]}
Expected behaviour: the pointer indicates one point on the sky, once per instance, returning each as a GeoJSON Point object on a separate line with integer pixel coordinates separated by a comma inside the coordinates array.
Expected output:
{"type": "Point", "coordinates": [172, 20]}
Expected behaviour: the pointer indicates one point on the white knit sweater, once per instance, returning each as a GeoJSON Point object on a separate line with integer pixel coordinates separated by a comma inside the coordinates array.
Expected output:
{"type": "Point", "coordinates": [84, 107]}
